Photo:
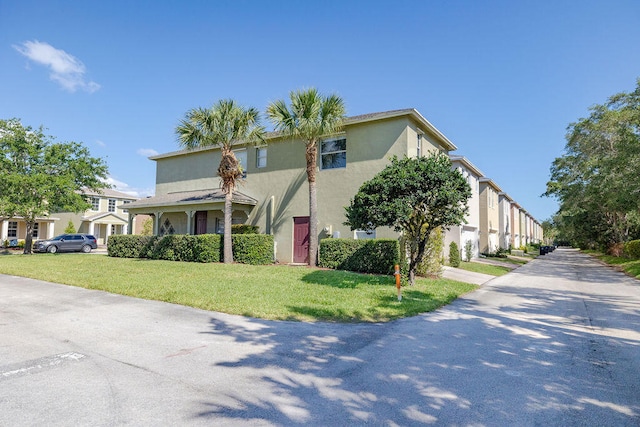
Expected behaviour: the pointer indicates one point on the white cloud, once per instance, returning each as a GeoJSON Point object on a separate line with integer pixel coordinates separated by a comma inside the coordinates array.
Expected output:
{"type": "Point", "coordinates": [66, 70]}
{"type": "Point", "coordinates": [147, 152]}
{"type": "Point", "coordinates": [127, 189]}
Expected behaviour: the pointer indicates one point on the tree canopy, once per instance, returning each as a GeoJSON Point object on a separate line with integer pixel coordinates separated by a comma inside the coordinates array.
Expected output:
{"type": "Point", "coordinates": [310, 117]}
{"type": "Point", "coordinates": [596, 180]}
{"type": "Point", "coordinates": [224, 124]}
{"type": "Point", "coordinates": [39, 176]}
{"type": "Point", "coordinates": [413, 196]}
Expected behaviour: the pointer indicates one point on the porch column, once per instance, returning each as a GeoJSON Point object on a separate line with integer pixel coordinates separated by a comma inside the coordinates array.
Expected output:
{"type": "Point", "coordinates": [190, 215]}
{"type": "Point", "coordinates": [156, 223]}
{"type": "Point", "coordinates": [50, 227]}
{"type": "Point", "coordinates": [129, 226]}
{"type": "Point", "coordinates": [106, 238]}
{"type": "Point", "coordinates": [5, 230]}
{"type": "Point", "coordinates": [91, 228]}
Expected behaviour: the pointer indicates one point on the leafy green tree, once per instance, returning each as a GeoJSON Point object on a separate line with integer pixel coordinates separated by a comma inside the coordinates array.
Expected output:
{"type": "Point", "coordinates": [414, 196]}
{"type": "Point", "coordinates": [39, 176]}
{"type": "Point", "coordinates": [147, 227]}
{"type": "Point", "coordinates": [70, 229]}
{"type": "Point", "coordinates": [310, 117]}
{"type": "Point", "coordinates": [224, 125]}
{"type": "Point", "coordinates": [596, 180]}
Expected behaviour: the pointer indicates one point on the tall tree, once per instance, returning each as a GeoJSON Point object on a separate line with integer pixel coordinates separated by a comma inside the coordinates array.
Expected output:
{"type": "Point", "coordinates": [414, 196]}
{"type": "Point", "coordinates": [596, 180]}
{"type": "Point", "coordinates": [39, 176]}
{"type": "Point", "coordinates": [225, 124]}
{"type": "Point", "coordinates": [310, 117]}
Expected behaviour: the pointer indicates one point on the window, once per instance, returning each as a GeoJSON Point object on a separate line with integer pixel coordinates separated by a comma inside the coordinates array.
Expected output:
{"type": "Point", "coordinates": [241, 155]}
{"type": "Point", "coordinates": [333, 153]}
{"type": "Point", "coordinates": [95, 204]}
{"type": "Point", "coordinates": [166, 228]}
{"type": "Point", "coordinates": [36, 227]}
{"type": "Point", "coordinates": [261, 157]}
{"type": "Point", "coordinates": [125, 202]}
{"type": "Point", "coordinates": [419, 146]}
{"type": "Point", "coordinates": [364, 234]}
{"type": "Point", "coordinates": [112, 205]}
{"type": "Point", "coordinates": [13, 229]}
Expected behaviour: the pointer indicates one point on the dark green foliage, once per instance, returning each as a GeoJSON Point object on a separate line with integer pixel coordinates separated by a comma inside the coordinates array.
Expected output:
{"type": "Point", "coordinates": [244, 229]}
{"type": "Point", "coordinates": [129, 246]}
{"type": "Point", "coordinates": [178, 247]}
{"type": "Point", "coordinates": [454, 255]}
{"type": "Point", "coordinates": [377, 256]}
{"type": "Point", "coordinates": [415, 196]}
{"type": "Point", "coordinates": [632, 249]}
{"type": "Point", "coordinates": [254, 249]}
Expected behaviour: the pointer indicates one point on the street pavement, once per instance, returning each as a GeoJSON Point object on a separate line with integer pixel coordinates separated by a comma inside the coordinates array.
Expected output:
{"type": "Point", "coordinates": [556, 342]}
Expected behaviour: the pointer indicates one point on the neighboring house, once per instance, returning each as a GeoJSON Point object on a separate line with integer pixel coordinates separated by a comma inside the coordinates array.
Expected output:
{"type": "Point", "coordinates": [470, 230]}
{"type": "Point", "coordinates": [489, 216]}
{"type": "Point", "coordinates": [274, 195]}
{"type": "Point", "coordinates": [523, 228]}
{"type": "Point", "coordinates": [106, 216]}
{"type": "Point", "coordinates": [515, 221]}
{"type": "Point", "coordinates": [14, 229]}
{"type": "Point", "coordinates": [505, 222]}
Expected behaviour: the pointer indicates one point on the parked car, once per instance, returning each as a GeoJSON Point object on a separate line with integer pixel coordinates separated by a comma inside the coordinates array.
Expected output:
{"type": "Point", "coordinates": [67, 243]}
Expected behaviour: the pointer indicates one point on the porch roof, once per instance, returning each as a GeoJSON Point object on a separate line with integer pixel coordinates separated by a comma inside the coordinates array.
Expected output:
{"type": "Point", "coordinates": [186, 198]}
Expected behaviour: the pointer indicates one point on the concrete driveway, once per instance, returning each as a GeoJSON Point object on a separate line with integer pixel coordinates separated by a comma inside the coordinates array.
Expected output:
{"type": "Point", "coordinates": [555, 342]}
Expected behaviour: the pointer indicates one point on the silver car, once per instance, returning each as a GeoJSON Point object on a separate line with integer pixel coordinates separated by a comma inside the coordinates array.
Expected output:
{"type": "Point", "coordinates": [67, 243]}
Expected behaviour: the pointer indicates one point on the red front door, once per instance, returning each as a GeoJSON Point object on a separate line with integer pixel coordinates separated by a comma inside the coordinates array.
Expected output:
{"type": "Point", "coordinates": [301, 239]}
{"type": "Point", "coordinates": [201, 222]}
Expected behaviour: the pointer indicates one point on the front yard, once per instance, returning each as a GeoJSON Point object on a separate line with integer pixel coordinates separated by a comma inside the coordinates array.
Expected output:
{"type": "Point", "coordinates": [268, 292]}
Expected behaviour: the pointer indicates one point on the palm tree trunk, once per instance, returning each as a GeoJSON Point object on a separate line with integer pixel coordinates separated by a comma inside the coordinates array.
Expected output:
{"type": "Point", "coordinates": [313, 204]}
{"type": "Point", "coordinates": [228, 249]}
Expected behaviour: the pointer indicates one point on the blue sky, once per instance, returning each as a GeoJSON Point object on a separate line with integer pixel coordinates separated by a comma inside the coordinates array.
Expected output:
{"type": "Point", "coordinates": [501, 79]}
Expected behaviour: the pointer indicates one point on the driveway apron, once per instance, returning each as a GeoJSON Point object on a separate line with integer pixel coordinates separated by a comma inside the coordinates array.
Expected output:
{"type": "Point", "coordinates": [555, 342]}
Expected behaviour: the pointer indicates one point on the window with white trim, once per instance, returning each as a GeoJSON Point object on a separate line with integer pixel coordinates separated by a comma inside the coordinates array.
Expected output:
{"type": "Point", "coordinates": [12, 230]}
{"type": "Point", "coordinates": [95, 203]}
{"type": "Point", "coordinates": [125, 202]}
{"type": "Point", "coordinates": [333, 153]}
{"type": "Point", "coordinates": [241, 156]}
{"type": "Point", "coordinates": [261, 157]}
{"type": "Point", "coordinates": [112, 205]}
{"type": "Point", "coordinates": [34, 232]}
{"type": "Point", "coordinates": [364, 234]}
{"type": "Point", "coordinates": [419, 146]}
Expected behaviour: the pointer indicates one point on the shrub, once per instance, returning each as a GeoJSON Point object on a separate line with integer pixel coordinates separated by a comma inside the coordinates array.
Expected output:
{"type": "Point", "coordinates": [177, 247]}
{"type": "Point", "coordinates": [129, 246]}
{"type": "Point", "coordinates": [378, 256]}
{"type": "Point", "coordinates": [454, 255]}
{"type": "Point", "coordinates": [252, 248]}
{"type": "Point", "coordinates": [70, 228]}
{"type": "Point", "coordinates": [468, 250]}
{"type": "Point", "coordinates": [632, 249]}
{"type": "Point", "coordinates": [431, 264]}
{"type": "Point", "coordinates": [244, 229]}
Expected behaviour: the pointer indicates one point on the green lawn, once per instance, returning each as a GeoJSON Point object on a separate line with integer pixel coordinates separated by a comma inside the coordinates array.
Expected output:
{"type": "Point", "coordinates": [268, 292]}
{"type": "Point", "coordinates": [478, 267]}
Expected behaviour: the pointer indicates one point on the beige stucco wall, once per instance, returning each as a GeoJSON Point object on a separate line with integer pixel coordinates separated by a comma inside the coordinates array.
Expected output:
{"type": "Point", "coordinates": [489, 217]}
{"type": "Point", "coordinates": [281, 187]}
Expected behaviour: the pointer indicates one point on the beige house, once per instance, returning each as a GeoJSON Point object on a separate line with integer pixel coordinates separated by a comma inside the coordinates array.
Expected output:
{"type": "Point", "coordinates": [489, 216]}
{"type": "Point", "coordinates": [14, 229]}
{"type": "Point", "coordinates": [505, 230]}
{"type": "Point", "coordinates": [470, 230]}
{"type": "Point", "coordinates": [106, 216]}
{"type": "Point", "coordinates": [274, 195]}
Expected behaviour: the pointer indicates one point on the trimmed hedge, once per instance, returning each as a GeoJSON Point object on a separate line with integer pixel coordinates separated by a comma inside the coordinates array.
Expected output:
{"type": "Point", "coordinates": [632, 249]}
{"type": "Point", "coordinates": [377, 256]}
{"type": "Point", "coordinates": [244, 229]}
{"type": "Point", "coordinates": [247, 248]}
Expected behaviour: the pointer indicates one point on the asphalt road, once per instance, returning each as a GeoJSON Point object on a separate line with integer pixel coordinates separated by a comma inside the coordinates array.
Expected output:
{"type": "Point", "coordinates": [553, 343]}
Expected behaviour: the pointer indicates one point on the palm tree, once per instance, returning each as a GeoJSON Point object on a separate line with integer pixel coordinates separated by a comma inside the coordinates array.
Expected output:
{"type": "Point", "coordinates": [224, 124]}
{"type": "Point", "coordinates": [310, 117]}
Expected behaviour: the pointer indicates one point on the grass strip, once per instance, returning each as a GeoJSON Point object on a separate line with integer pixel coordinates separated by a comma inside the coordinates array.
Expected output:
{"type": "Point", "coordinates": [269, 292]}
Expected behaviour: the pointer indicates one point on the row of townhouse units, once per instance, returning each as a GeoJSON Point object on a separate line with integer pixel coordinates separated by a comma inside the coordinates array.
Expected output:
{"type": "Point", "coordinates": [106, 216]}
{"type": "Point", "coordinates": [274, 193]}
{"type": "Point", "coordinates": [495, 220]}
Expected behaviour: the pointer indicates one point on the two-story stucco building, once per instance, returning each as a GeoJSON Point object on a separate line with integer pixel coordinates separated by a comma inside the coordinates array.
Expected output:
{"type": "Point", "coordinates": [274, 194]}
{"type": "Point", "coordinates": [106, 216]}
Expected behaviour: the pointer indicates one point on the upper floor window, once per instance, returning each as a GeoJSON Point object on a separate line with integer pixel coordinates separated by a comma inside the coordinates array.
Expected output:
{"type": "Point", "coordinates": [333, 153]}
{"type": "Point", "coordinates": [261, 157]}
{"type": "Point", "coordinates": [419, 146]}
{"type": "Point", "coordinates": [241, 155]}
{"type": "Point", "coordinates": [112, 205]}
{"type": "Point", "coordinates": [95, 203]}
{"type": "Point", "coordinates": [125, 202]}
{"type": "Point", "coordinates": [12, 231]}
